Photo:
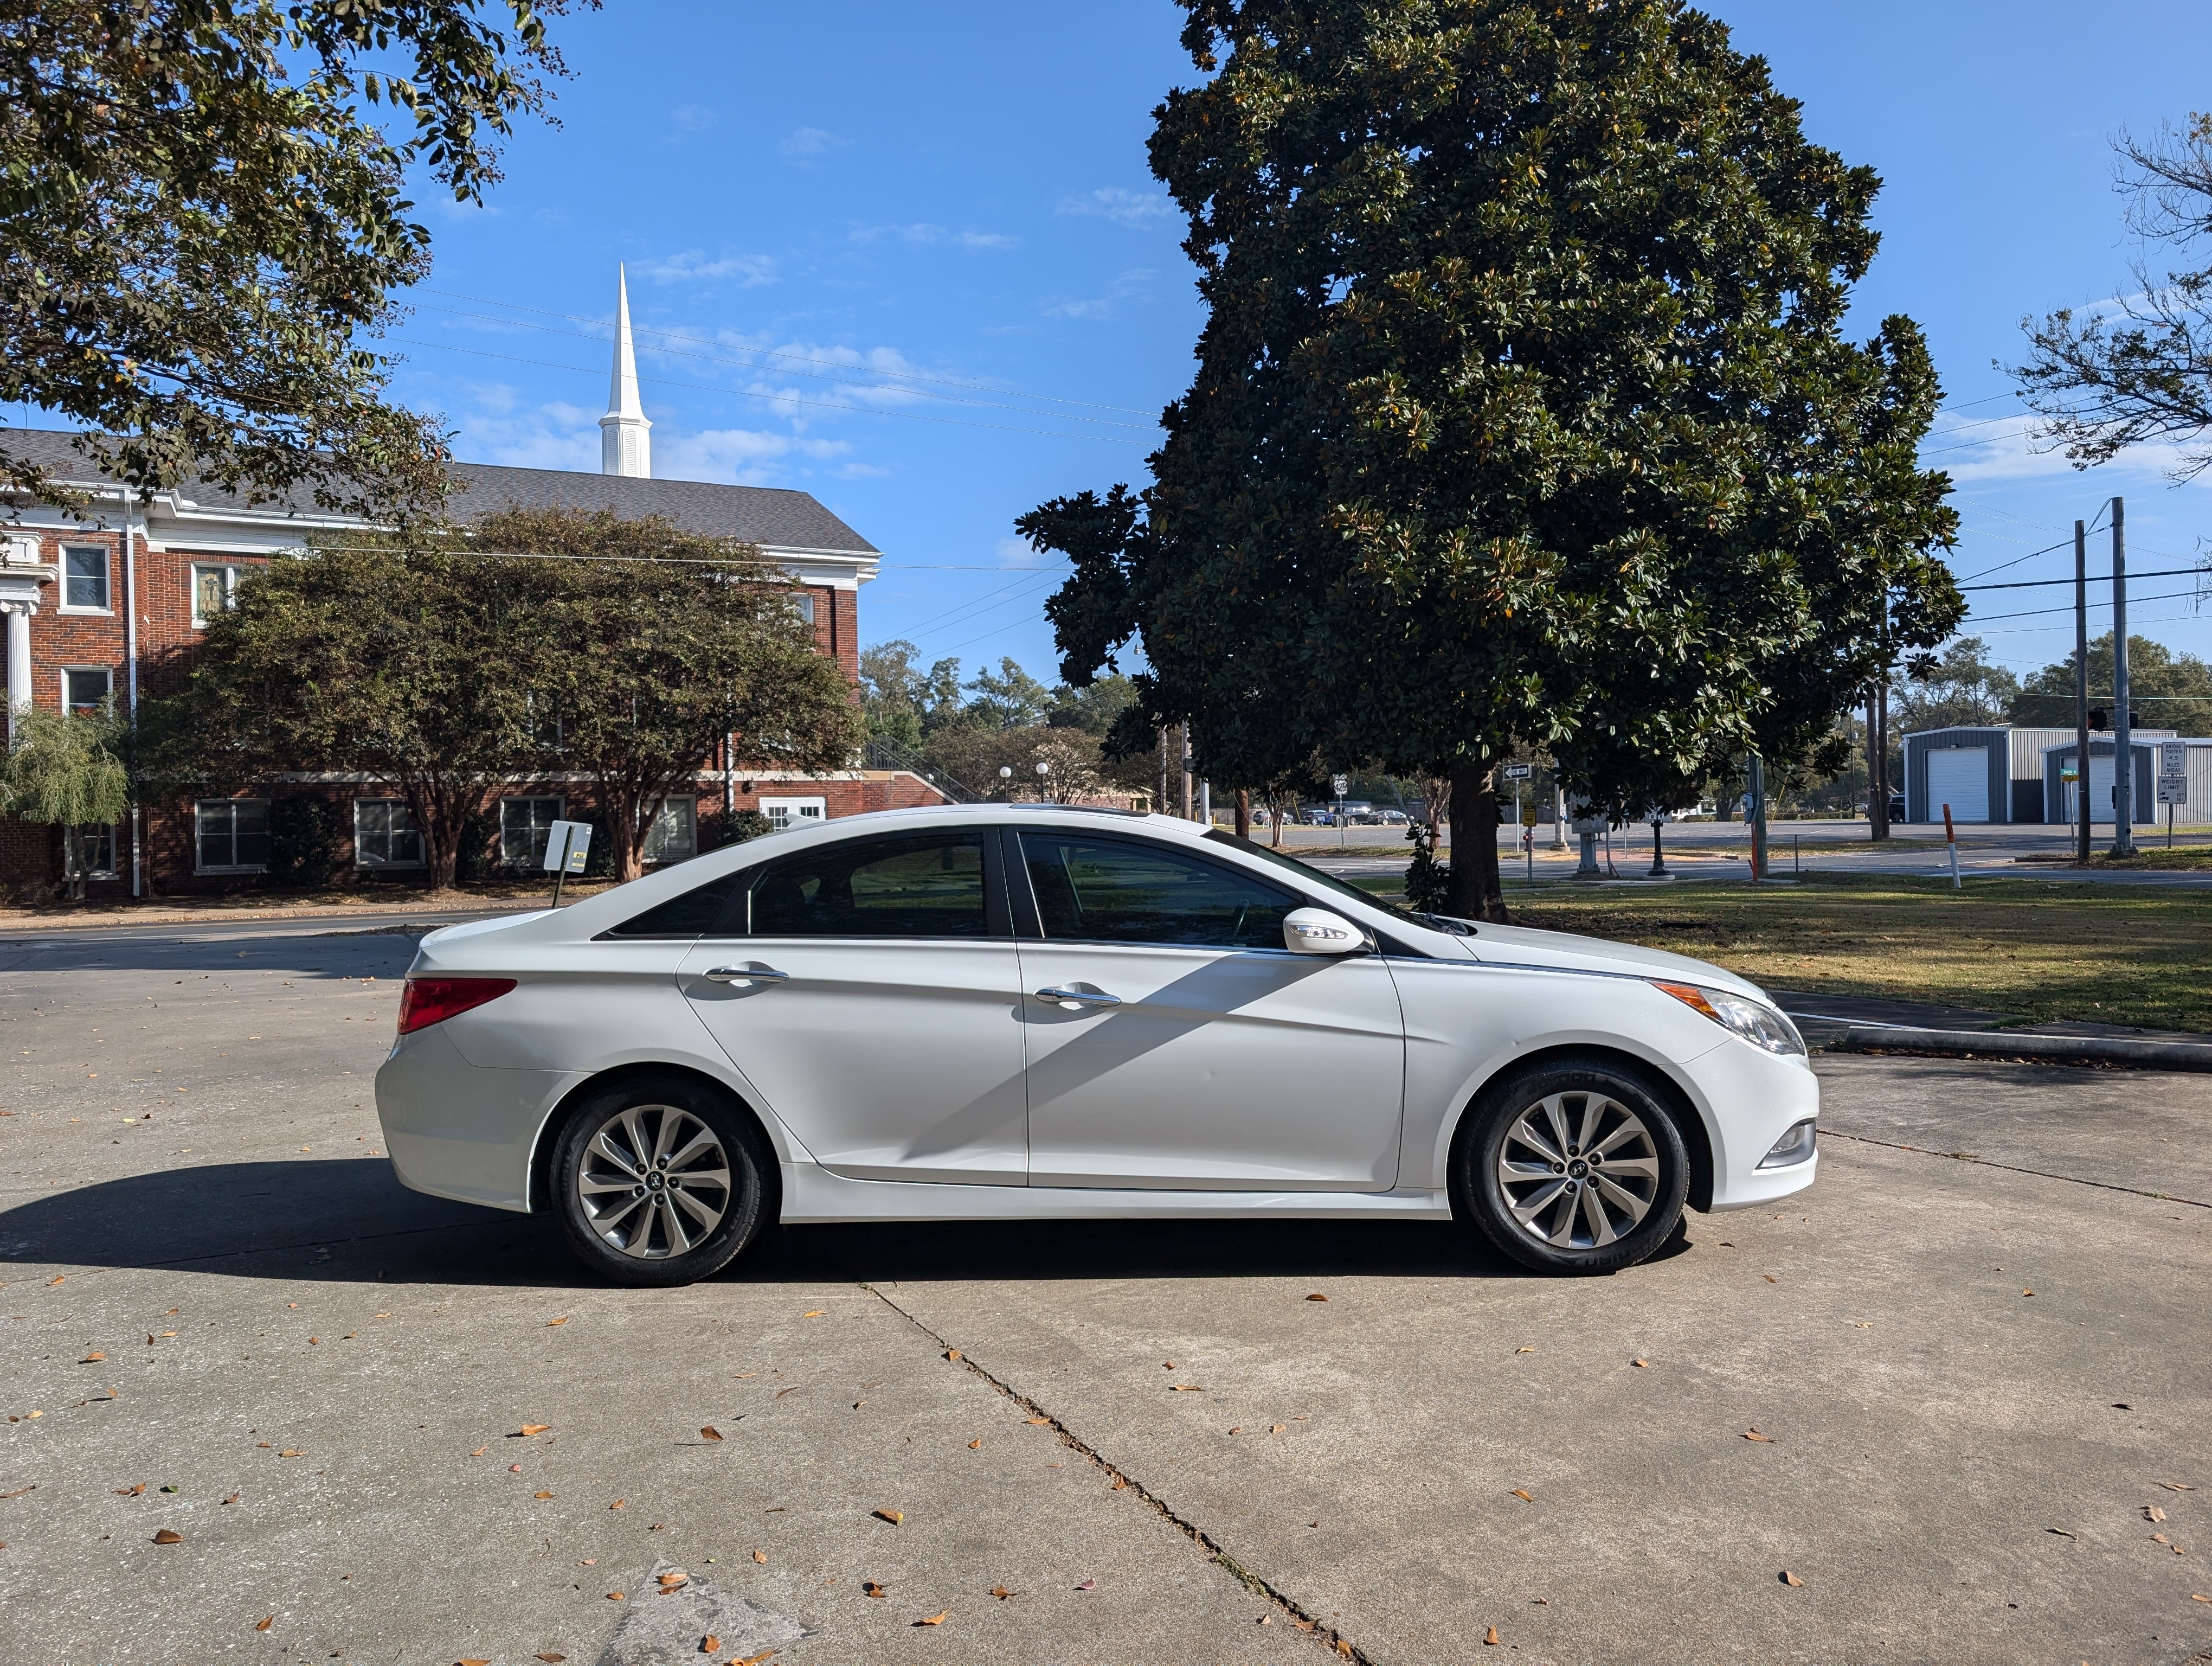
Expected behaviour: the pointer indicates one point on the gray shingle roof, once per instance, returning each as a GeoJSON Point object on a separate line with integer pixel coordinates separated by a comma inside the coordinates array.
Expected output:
{"type": "Point", "coordinates": [758, 514]}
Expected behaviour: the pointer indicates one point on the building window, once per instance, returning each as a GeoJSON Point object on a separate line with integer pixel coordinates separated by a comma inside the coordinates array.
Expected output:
{"type": "Point", "coordinates": [215, 590]}
{"type": "Point", "coordinates": [674, 835]}
{"type": "Point", "coordinates": [805, 600]}
{"type": "Point", "coordinates": [791, 813]}
{"type": "Point", "coordinates": [85, 689]}
{"type": "Point", "coordinates": [233, 835]}
{"type": "Point", "coordinates": [89, 853]}
{"type": "Point", "coordinates": [84, 578]}
{"type": "Point", "coordinates": [542, 722]}
{"type": "Point", "coordinates": [524, 827]}
{"type": "Point", "coordinates": [384, 834]}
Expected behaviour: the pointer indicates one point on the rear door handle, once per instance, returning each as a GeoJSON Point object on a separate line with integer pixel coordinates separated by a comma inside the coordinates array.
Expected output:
{"type": "Point", "coordinates": [745, 975]}
{"type": "Point", "coordinates": [1071, 999]}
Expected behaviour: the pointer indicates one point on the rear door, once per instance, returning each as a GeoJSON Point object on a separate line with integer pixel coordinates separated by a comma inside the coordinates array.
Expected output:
{"type": "Point", "coordinates": [1173, 1042]}
{"type": "Point", "coordinates": [867, 990]}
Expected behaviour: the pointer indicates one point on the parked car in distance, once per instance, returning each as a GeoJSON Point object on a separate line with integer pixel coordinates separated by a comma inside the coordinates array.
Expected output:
{"type": "Point", "coordinates": [1041, 1012]}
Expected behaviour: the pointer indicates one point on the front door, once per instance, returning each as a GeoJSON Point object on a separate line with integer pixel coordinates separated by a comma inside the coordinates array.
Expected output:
{"type": "Point", "coordinates": [869, 993]}
{"type": "Point", "coordinates": [1173, 1042]}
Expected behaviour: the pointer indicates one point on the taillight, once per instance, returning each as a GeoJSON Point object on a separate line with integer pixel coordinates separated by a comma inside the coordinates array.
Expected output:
{"type": "Point", "coordinates": [428, 1000]}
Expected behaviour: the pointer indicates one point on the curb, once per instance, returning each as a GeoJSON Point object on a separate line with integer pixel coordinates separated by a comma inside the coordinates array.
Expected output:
{"type": "Point", "coordinates": [2007, 1044]}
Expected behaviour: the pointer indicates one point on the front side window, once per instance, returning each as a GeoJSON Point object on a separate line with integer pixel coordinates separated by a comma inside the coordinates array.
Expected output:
{"type": "Point", "coordinates": [231, 834]}
{"type": "Point", "coordinates": [84, 577]}
{"type": "Point", "coordinates": [85, 689]}
{"type": "Point", "coordinates": [384, 834]}
{"type": "Point", "coordinates": [1115, 891]}
{"type": "Point", "coordinates": [927, 886]}
{"type": "Point", "coordinates": [215, 590]}
{"type": "Point", "coordinates": [674, 835]}
{"type": "Point", "coordinates": [524, 824]}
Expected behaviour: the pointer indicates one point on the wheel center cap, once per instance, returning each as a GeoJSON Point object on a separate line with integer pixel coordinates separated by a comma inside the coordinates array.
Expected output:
{"type": "Point", "coordinates": [655, 1182]}
{"type": "Point", "coordinates": [1579, 1169]}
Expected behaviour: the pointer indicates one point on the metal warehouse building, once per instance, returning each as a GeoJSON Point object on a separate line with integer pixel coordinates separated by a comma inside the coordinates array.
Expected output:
{"type": "Point", "coordinates": [2007, 775]}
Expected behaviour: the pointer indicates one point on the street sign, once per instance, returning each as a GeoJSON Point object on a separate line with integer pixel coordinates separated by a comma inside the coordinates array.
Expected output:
{"type": "Point", "coordinates": [1518, 771]}
{"type": "Point", "coordinates": [2173, 772]}
{"type": "Point", "coordinates": [1528, 816]}
{"type": "Point", "coordinates": [1339, 786]}
{"type": "Point", "coordinates": [566, 844]}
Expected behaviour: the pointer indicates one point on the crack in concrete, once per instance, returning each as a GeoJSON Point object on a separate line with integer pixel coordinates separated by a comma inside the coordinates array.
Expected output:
{"type": "Point", "coordinates": [1320, 1632]}
{"type": "Point", "coordinates": [2013, 1168]}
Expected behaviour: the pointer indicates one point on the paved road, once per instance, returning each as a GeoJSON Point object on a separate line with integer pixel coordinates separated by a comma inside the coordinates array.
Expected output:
{"type": "Point", "coordinates": [211, 1283]}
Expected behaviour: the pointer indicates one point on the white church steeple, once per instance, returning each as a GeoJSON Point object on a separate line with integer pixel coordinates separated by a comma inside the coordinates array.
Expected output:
{"type": "Point", "coordinates": [625, 437]}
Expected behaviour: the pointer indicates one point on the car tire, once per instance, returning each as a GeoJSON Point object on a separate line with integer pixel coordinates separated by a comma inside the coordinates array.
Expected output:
{"type": "Point", "coordinates": [1538, 1157]}
{"type": "Point", "coordinates": [661, 1180]}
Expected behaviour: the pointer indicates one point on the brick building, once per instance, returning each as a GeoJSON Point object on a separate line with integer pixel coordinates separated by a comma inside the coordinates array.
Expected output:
{"type": "Point", "coordinates": [98, 602]}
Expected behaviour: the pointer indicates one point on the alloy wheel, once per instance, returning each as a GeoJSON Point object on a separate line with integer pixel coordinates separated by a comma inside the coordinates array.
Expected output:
{"type": "Point", "coordinates": [1578, 1171]}
{"type": "Point", "coordinates": [655, 1182]}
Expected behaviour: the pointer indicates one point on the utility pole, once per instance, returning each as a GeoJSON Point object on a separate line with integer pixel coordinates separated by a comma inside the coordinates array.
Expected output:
{"type": "Point", "coordinates": [1758, 817]}
{"type": "Point", "coordinates": [2081, 693]}
{"type": "Point", "coordinates": [2123, 798]}
{"type": "Point", "coordinates": [1160, 804]}
{"type": "Point", "coordinates": [1185, 766]}
{"type": "Point", "coordinates": [1877, 749]}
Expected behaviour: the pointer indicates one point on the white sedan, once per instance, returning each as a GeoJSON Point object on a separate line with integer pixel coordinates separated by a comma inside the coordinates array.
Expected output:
{"type": "Point", "coordinates": [1029, 1011]}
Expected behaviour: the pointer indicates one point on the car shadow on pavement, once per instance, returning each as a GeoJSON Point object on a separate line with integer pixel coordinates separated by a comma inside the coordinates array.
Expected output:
{"type": "Point", "coordinates": [350, 1220]}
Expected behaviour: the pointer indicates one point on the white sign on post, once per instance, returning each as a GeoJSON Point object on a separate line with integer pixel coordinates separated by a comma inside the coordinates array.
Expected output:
{"type": "Point", "coordinates": [2173, 772]}
{"type": "Point", "coordinates": [566, 844]}
{"type": "Point", "coordinates": [1339, 785]}
{"type": "Point", "coordinates": [1517, 771]}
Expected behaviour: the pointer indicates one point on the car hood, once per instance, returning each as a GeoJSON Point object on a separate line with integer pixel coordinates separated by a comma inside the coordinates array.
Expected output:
{"type": "Point", "coordinates": [1565, 952]}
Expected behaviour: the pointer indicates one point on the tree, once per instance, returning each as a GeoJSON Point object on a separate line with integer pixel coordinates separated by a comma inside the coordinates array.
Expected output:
{"type": "Point", "coordinates": [2168, 691]}
{"type": "Point", "coordinates": [972, 755]}
{"type": "Point", "coordinates": [201, 220]}
{"type": "Point", "coordinates": [901, 701]}
{"type": "Point", "coordinates": [1522, 417]}
{"type": "Point", "coordinates": [65, 769]}
{"type": "Point", "coordinates": [1957, 687]}
{"type": "Point", "coordinates": [647, 646]}
{"type": "Point", "coordinates": [1009, 698]}
{"type": "Point", "coordinates": [2138, 367]}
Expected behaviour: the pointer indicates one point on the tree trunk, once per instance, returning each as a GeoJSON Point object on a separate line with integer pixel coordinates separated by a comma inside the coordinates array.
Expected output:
{"type": "Point", "coordinates": [1474, 892]}
{"type": "Point", "coordinates": [1243, 812]}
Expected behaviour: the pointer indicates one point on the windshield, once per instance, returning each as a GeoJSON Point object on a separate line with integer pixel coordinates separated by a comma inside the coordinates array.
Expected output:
{"type": "Point", "coordinates": [1314, 876]}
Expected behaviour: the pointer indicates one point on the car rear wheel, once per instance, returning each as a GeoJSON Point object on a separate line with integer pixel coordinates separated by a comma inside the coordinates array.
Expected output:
{"type": "Point", "coordinates": [1574, 1167]}
{"type": "Point", "coordinates": [659, 1181]}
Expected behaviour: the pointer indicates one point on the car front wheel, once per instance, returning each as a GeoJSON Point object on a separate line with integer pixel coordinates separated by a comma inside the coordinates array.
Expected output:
{"type": "Point", "coordinates": [1574, 1167]}
{"type": "Point", "coordinates": [659, 1181]}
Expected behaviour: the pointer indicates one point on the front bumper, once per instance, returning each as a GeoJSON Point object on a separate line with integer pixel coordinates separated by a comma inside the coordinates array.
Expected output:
{"type": "Point", "coordinates": [457, 1130]}
{"type": "Point", "coordinates": [1751, 1099]}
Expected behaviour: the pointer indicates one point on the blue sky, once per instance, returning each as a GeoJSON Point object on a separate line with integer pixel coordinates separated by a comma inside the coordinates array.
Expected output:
{"type": "Point", "coordinates": [910, 259]}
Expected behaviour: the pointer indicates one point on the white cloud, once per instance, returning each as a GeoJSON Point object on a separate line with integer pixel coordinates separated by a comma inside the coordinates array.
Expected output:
{"type": "Point", "coordinates": [736, 457]}
{"type": "Point", "coordinates": [812, 142]}
{"type": "Point", "coordinates": [2007, 449]}
{"type": "Point", "coordinates": [557, 436]}
{"type": "Point", "coordinates": [1139, 209]}
{"type": "Point", "coordinates": [1130, 286]}
{"type": "Point", "coordinates": [926, 235]}
{"type": "Point", "coordinates": [692, 267]}
{"type": "Point", "coordinates": [692, 118]}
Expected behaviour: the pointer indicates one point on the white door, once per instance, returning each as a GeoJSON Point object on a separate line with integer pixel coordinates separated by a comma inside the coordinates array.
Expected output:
{"type": "Point", "coordinates": [1187, 1047]}
{"type": "Point", "coordinates": [2101, 792]}
{"type": "Point", "coordinates": [869, 995]}
{"type": "Point", "coordinates": [1958, 776]}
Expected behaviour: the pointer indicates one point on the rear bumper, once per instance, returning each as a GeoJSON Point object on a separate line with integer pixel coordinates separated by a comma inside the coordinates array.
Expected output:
{"type": "Point", "coordinates": [457, 1130]}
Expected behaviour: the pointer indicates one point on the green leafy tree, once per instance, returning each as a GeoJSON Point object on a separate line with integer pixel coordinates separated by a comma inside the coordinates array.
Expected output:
{"type": "Point", "coordinates": [1523, 417]}
{"type": "Point", "coordinates": [2168, 691]}
{"type": "Point", "coordinates": [1008, 698]}
{"type": "Point", "coordinates": [203, 217]}
{"type": "Point", "coordinates": [66, 769]}
{"type": "Point", "coordinates": [1960, 686]}
{"type": "Point", "coordinates": [899, 700]}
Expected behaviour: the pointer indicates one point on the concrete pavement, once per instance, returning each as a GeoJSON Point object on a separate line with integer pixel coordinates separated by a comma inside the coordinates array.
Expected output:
{"type": "Point", "coordinates": [1154, 1440]}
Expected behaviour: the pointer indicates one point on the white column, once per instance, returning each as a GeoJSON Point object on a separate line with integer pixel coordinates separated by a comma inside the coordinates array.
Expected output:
{"type": "Point", "coordinates": [19, 659]}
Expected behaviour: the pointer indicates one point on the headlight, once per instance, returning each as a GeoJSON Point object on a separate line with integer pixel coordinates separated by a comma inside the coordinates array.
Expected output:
{"type": "Point", "coordinates": [1756, 1022]}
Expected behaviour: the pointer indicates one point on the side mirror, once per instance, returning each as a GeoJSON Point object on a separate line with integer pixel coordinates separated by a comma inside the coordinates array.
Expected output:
{"type": "Point", "coordinates": [1316, 931]}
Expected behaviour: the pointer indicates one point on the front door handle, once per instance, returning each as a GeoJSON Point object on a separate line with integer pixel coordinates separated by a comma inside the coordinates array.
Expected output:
{"type": "Point", "coordinates": [1073, 999]}
{"type": "Point", "coordinates": [745, 976]}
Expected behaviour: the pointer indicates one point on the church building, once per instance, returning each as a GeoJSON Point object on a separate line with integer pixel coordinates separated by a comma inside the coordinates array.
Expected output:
{"type": "Point", "coordinates": [101, 600]}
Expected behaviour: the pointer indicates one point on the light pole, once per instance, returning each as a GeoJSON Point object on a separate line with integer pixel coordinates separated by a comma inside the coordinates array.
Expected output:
{"type": "Point", "coordinates": [1043, 770]}
{"type": "Point", "coordinates": [1006, 780]}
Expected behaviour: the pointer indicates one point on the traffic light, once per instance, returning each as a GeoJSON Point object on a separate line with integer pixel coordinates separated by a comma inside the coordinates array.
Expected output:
{"type": "Point", "coordinates": [2097, 716]}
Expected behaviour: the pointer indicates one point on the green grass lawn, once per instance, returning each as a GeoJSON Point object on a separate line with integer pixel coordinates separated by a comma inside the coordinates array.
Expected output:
{"type": "Point", "coordinates": [2045, 949]}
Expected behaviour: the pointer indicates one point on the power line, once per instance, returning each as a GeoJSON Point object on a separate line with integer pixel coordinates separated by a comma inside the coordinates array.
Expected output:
{"type": "Point", "coordinates": [2036, 584]}
{"type": "Point", "coordinates": [2033, 612]}
{"type": "Point", "coordinates": [2015, 562]}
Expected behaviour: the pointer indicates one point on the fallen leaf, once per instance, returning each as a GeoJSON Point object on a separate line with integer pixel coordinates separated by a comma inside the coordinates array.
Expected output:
{"type": "Point", "coordinates": [589, 1561]}
{"type": "Point", "coordinates": [232, 1498]}
{"type": "Point", "coordinates": [709, 1432]}
{"type": "Point", "coordinates": [542, 1495]}
{"type": "Point", "coordinates": [793, 1389]}
{"type": "Point", "coordinates": [1770, 1278]}
{"type": "Point", "coordinates": [2176, 1485]}
{"type": "Point", "coordinates": [553, 1658]}
{"type": "Point", "coordinates": [550, 1323]}
{"type": "Point", "coordinates": [1186, 1387]}
{"type": "Point", "coordinates": [751, 1660]}
{"type": "Point", "coordinates": [2151, 1511]}
{"type": "Point", "coordinates": [314, 1341]}
{"type": "Point", "coordinates": [952, 1353]}
{"type": "Point", "coordinates": [56, 1279]}
{"type": "Point", "coordinates": [2027, 1292]}
{"type": "Point", "coordinates": [291, 1451]}
{"type": "Point", "coordinates": [1491, 1638]}
{"type": "Point", "coordinates": [472, 1663]}
{"type": "Point", "coordinates": [1238, 1430]}
{"type": "Point", "coordinates": [1316, 1297]}
{"type": "Point", "coordinates": [761, 1556]}
{"type": "Point", "coordinates": [1280, 1428]}
{"type": "Point", "coordinates": [479, 1451]}
{"type": "Point", "coordinates": [814, 1313]}
{"type": "Point", "coordinates": [673, 1577]}
{"type": "Point", "coordinates": [709, 1643]}
{"type": "Point", "coordinates": [936, 1619]}
{"type": "Point", "coordinates": [1640, 1365]}
{"type": "Point", "coordinates": [1121, 1482]}
{"type": "Point", "coordinates": [1524, 1350]}
{"type": "Point", "coordinates": [1754, 1434]}
{"type": "Point", "coordinates": [2060, 1531]}
{"type": "Point", "coordinates": [1040, 1419]}
{"type": "Point", "coordinates": [615, 1595]}
{"type": "Point", "coordinates": [90, 1357]}
{"type": "Point", "coordinates": [974, 1445]}
{"type": "Point", "coordinates": [1001, 1592]}
{"type": "Point", "coordinates": [893, 1516]}
{"type": "Point", "coordinates": [265, 1623]}
{"type": "Point", "coordinates": [870, 1588]}
{"type": "Point", "coordinates": [20, 1490]}
{"type": "Point", "coordinates": [1789, 1578]}
{"type": "Point", "coordinates": [619, 1504]}
{"type": "Point", "coordinates": [133, 1492]}
{"type": "Point", "coordinates": [1526, 1498]}
{"type": "Point", "coordinates": [1086, 1584]}
{"type": "Point", "coordinates": [168, 1536]}
{"type": "Point", "coordinates": [513, 1468]}
{"type": "Point", "coordinates": [742, 1375]}
{"type": "Point", "coordinates": [529, 1429]}
{"type": "Point", "coordinates": [2195, 1597]}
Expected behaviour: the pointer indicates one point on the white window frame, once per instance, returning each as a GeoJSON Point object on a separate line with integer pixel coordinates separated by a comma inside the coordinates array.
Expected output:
{"type": "Point", "coordinates": [383, 809]}
{"type": "Point", "coordinates": [68, 672]}
{"type": "Point", "coordinates": [108, 871]}
{"type": "Point", "coordinates": [229, 571]}
{"type": "Point", "coordinates": [783, 813]}
{"type": "Point", "coordinates": [804, 598]}
{"type": "Point", "coordinates": [689, 820]}
{"type": "Point", "coordinates": [534, 857]}
{"type": "Point", "coordinates": [228, 807]}
{"type": "Point", "coordinates": [64, 605]}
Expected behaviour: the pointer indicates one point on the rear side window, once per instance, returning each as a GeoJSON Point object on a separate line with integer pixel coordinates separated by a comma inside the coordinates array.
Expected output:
{"type": "Point", "coordinates": [695, 914]}
{"type": "Point", "coordinates": [926, 885]}
{"type": "Point", "coordinates": [1111, 891]}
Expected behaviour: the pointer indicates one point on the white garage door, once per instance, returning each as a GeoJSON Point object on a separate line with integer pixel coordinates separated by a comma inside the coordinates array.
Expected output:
{"type": "Point", "coordinates": [1958, 776]}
